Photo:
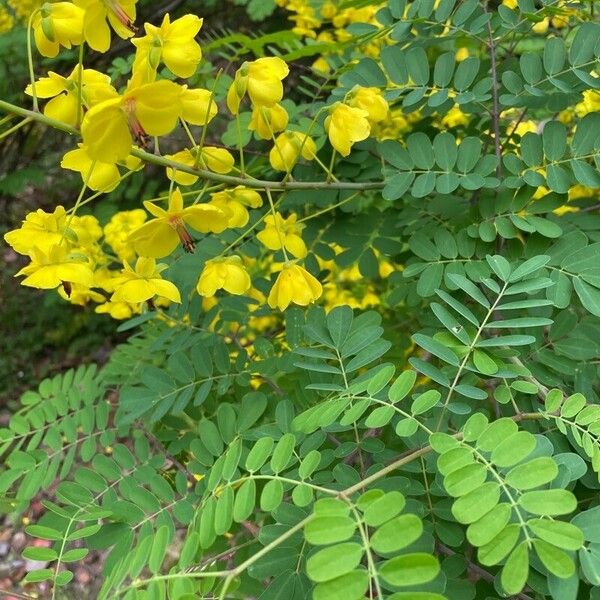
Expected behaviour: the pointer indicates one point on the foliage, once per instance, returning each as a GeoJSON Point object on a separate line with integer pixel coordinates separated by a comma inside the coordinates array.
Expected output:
{"type": "Point", "coordinates": [382, 383]}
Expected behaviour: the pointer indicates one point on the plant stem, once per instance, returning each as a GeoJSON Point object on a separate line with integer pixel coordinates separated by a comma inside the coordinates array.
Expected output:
{"type": "Point", "coordinates": [203, 173]}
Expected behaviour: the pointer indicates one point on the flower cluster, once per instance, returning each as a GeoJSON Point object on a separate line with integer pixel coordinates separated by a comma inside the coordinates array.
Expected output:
{"type": "Point", "coordinates": [116, 266]}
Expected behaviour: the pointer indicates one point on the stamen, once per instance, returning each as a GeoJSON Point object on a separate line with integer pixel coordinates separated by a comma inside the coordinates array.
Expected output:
{"type": "Point", "coordinates": [123, 17]}
{"type": "Point", "coordinates": [137, 131]}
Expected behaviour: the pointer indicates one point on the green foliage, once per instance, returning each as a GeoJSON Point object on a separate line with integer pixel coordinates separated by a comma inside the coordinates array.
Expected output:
{"type": "Point", "coordinates": [443, 445]}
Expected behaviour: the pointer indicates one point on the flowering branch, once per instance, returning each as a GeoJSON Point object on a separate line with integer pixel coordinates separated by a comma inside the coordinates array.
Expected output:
{"type": "Point", "coordinates": [203, 173]}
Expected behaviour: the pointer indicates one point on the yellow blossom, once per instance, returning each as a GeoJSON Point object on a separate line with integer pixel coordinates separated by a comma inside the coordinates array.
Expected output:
{"type": "Point", "coordinates": [233, 203]}
{"type": "Point", "coordinates": [198, 107]}
{"type": "Point", "coordinates": [99, 13]}
{"type": "Point", "coordinates": [267, 121]}
{"type": "Point", "coordinates": [346, 125]}
{"type": "Point", "coordinates": [261, 80]}
{"type": "Point", "coordinates": [118, 229]}
{"type": "Point", "coordinates": [109, 128]}
{"type": "Point", "coordinates": [454, 118]}
{"type": "Point", "coordinates": [80, 295]}
{"type": "Point", "coordinates": [57, 24]}
{"type": "Point", "coordinates": [48, 270]}
{"type": "Point", "coordinates": [161, 235]}
{"type": "Point", "coordinates": [171, 43]}
{"type": "Point", "coordinates": [288, 148]}
{"type": "Point", "coordinates": [370, 99]}
{"type": "Point", "coordinates": [541, 27]}
{"type": "Point", "coordinates": [100, 176]}
{"type": "Point", "coordinates": [218, 160]}
{"type": "Point", "coordinates": [295, 285]}
{"type": "Point", "coordinates": [117, 310]}
{"type": "Point", "coordinates": [39, 229]}
{"type": "Point", "coordinates": [287, 231]}
{"type": "Point", "coordinates": [461, 54]}
{"type": "Point", "coordinates": [143, 283]}
{"type": "Point", "coordinates": [227, 273]}
{"type": "Point", "coordinates": [64, 91]}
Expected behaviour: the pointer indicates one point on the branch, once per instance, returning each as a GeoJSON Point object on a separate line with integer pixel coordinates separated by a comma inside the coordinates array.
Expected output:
{"type": "Point", "coordinates": [202, 173]}
{"type": "Point", "coordinates": [496, 109]}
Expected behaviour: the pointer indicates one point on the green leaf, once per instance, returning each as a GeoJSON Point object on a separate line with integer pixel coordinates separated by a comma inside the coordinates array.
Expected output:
{"type": "Point", "coordinates": [272, 495]}
{"type": "Point", "coordinates": [532, 474]}
{"type": "Point", "coordinates": [384, 508]}
{"type": "Point", "coordinates": [386, 539]}
{"type": "Point", "coordinates": [351, 586]}
{"type": "Point", "coordinates": [259, 454]}
{"type": "Point", "coordinates": [39, 553]}
{"type": "Point", "coordinates": [513, 449]}
{"type": "Point", "coordinates": [417, 64]}
{"type": "Point", "coordinates": [469, 288]}
{"type": "Point", "coordinates": [332, 562]}
{"type": "Point", "coordinates": [245, 500]}
{"type": "Point", "coordinates": [436, 348]}
{"type": "Point", "coordinates": [402, 386]}
{"type": "Point", "coordinates": [515, 571]}
{"type": "Point", "coordinates": [483, 363]}
{"type": "Point", "coordinates": [410, 569]}
{"type": "Point", "coordinates": [548, 502]}
{"type": "Point", "coordinates": [283, 452]}
{"type": "Point", "coordinates": [425, 402]}
{"type": "Point", "coordinates": [474, 505]}
{"type": "Point", "coordinates": [555, 55]}
{"type": "Point", "coordinates": [528, 267]}
{"type": "Point", "coordinates": [490, 525]}
{"type": "Point", "coordinates": [465, 73]}
{"type": "Point", "coordinates": [380, 379]}
{"type": "Point", "coordinates": [555, 560]}
{"type": "Point", "coordinates": [329, 529]}
{"type": "Point", "coordinates": [419, 146]}
{"type": "Point", "coordinates": [589, 295]}
{"type": "Point", "coordinates": [466, 479]}
{"type": "Point", "coordinates": [44, 533]}
{"type": "Point", "coordinates": [497, 549]}
{"type": "Point", "coordinates": [159, 549]}
{"type": "Point", "coordinates": [558, 533]}
{"type": "Point", "coordinates": [339, 322]}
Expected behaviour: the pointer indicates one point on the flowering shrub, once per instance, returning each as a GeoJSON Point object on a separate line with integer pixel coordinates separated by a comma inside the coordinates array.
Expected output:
{"type": "Point", "coordinates": [363, 307]}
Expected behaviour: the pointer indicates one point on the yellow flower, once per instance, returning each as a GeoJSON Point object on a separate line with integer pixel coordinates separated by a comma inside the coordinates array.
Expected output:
{"type": "Point", "coordinates": [39, 229]}
{"type": "Point", "coordinates": [198, 106]}
{"type": "Point", "coordinates": [261, 80]}
{"type": "Point", "coordinates": [294, 285]}
{"type": "Point", "coordinates": [541, 27]}
{"type": "Point", "coordinates": [64, 92]}
{"type": "Point", "coordinates": [100, 176]}
{"type": "Point", "coordinates": [218, 160]}
{"type": "Point", "coordinates": [143, 283]}
{"type": "Point", "coordinates": [461, 54]}
{"type": "Point", "coordinates": [86, 228]}
{"type": "Point", "coordinates": [80, 295]}
{"type": "Point", "coordinates": [267, 121]}
{"type": "Point", "coordinates": [48, 270]}
{"type": "Point", "coordinates": [117, 310]}
{"type": "Point", "coordinates": [228, 274]}
{"type": "Point", "coordinates": [117, 230]}
{"type": "Point", "coordinates": [454, 118]}
{"type": "Point", "coordinates": [160, 236]}
{"type": "Point", "coordinates": [99, 13]}
{"type": "Point", "coordinates": [346, 125]}
{"type": "Point", "coordinates": [109, 128]}
{"type": "Point", "coordinates": [57, 24]}
{"type": "Point", "coordinates": [287, 150]}
{"type": "Point", "coordinates": [286, 231]}
{"type": "Point", "coordinates": [370, 99]}
{"type": "Point", "coordinates": [233, 203]}
{"type": "Point", "coordinates": [171, 43]}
